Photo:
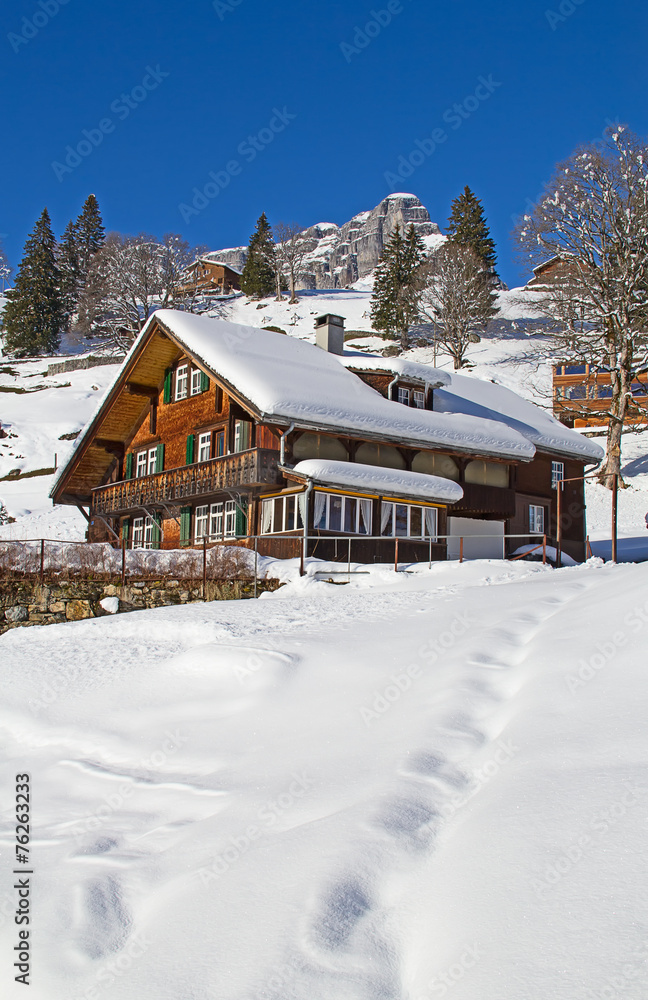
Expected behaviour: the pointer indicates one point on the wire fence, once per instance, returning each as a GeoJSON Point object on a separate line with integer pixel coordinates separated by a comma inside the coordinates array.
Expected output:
{"type": "Point", "coordinates": [246, 558]}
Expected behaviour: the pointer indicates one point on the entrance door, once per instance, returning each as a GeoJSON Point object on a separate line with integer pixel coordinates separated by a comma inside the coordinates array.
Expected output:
{"type": "Point", "coordinates": [477, 543]}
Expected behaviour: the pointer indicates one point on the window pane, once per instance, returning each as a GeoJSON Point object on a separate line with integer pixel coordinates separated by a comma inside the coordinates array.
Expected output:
{"type": "Point", "coordinates": [387, 519]}
{"type": "Point", "coordinates": [335, 513]}
{"type": "Point", "coordinates": [141, 464]}
{"type": "Point", "coordinates": [230, 519]}
{"type": "Point", "coordinates": [290, 513]}
{"type": "Point", "coordinates": [350, 515]}
{"type": "Point", "coordinates": [403, 396]}
{"type": "Point", "coordinates": [401, 520]}
{"type": "Point", "coordinates": [196, 382]}
{"type": "Point", "coordinates": [416, 522]}
{"type": "Point", "coordinates": [138, 532]}
{"type": "Point", "coordinates": [277, 522]}
{"type": "Point", "coordinates": [152, 461]}
{"type": "Point", "coordinates": [419, 399]}
{"type": "Point", "coordinates": [182, 376]}
{"type": "Point", "coordinates": [216, 522]}
{"type": "Point", "coordinates": [201, 521]}
{"type": "Point", "coordinates": [204, 447]}
{"type": "Point", "coordinates": [219, 444]}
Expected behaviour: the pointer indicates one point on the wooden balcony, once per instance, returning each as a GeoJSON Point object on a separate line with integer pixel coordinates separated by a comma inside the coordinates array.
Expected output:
{"type": "Point", "coordinates": [255, 467]}
{"type": "Point", "coordinates": [477, 499]}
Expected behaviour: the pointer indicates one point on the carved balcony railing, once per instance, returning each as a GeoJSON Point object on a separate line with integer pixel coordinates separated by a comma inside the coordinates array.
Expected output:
{"type": "Point", "coordinates": [255, 467]}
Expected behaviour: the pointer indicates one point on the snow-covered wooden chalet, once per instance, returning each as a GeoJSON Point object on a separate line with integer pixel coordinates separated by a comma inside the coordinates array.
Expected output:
{"type": "Point", "coordinates": [217, 431]}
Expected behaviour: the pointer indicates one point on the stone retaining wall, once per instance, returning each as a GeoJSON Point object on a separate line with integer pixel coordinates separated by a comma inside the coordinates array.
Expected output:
{"type": "Point", "coordinates": [79, 364]}
{"type": "Point", "coordinates": [26, 602]}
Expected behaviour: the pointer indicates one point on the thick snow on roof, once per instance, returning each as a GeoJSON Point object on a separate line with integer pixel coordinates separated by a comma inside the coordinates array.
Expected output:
{"type": "Point", "coordinates": [389, 482]}
{"type": "Point", "coordinates": [290, 380]}
{"type": "Point", "coordinates": [485, 400]}
{"type": "Point", "coordinates": [395, 366]}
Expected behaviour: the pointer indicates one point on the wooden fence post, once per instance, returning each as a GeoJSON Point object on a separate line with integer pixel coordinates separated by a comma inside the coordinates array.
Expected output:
{"type": "Point", "coordinates": [42, 561]}
{"type": "Point", "coordinates": [204, 580]}
{"type": "Point", "coordinates": [256, 558]}
{"type": "Point", "coordinates": [123, 563]}
{"type": "Point", "coordinates": [396, 555]}
{"type": "Point", "coordinates": [461, 549]}
{"type": "Point", "coordinates": [544, 550]}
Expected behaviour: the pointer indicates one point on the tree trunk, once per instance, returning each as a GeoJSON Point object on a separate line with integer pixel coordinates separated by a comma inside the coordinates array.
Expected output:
{"type": "Point", "coordinates": [404, 339]}
{"type": "Point", "coordinates": [293, 297]}
{"type": "Point", "coordinates": [612, 462]}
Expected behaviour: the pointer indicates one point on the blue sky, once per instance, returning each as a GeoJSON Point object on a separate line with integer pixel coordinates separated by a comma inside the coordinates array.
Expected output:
{"type": "Point", "coordinates": [290, 109]}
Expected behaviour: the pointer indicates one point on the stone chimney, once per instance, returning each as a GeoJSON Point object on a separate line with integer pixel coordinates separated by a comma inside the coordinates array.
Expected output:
{"type": "Point", "coordinates": [329, 333]}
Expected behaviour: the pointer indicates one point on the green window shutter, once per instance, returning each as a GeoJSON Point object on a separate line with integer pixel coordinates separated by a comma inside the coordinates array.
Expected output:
{"type": "Point", "coordinates": [191, 438]}
{"type": "Point", "coordinates": [125, 528]}
{"type": "Point", "coordinates": [204, 382]}
{"type": "Point", "coordinates": [185, 525]}
{"type": "Point", "coordinates": [155, 532]}
{"type": "Point", "coordinates": [241, 518]}
{"type": "Point", "coordinates": [159, 458]}
{"type": "Point", "coordinates": [168, 376]}
{"type": "Point", "coordinates": [129, 465]}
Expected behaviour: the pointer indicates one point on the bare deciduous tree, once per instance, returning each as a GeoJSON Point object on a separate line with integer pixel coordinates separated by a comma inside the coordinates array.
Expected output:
{"type": "Point", "coordinates": [593, 217]}
{"type": "Point", "coordinates": [291, 251]}
{"type": "Point", "coordinates": [457, 296]}
{"type": "Point", "coordinates": [129, 278]}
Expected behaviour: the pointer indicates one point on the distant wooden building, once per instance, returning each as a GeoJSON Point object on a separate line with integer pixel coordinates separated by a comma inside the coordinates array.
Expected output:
{"type": "Point", "coordinates": [582, 394]}
{"type": "Point", "coordinates": [210, 277]}
{"type": "Point", "coordinates": [216, 431]}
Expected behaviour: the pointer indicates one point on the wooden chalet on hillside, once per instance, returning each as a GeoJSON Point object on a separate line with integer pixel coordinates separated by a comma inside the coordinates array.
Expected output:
{"type": "Point", "coordinates": [217, 431]}
{"type": "Point", "coordinates": [210, 277]}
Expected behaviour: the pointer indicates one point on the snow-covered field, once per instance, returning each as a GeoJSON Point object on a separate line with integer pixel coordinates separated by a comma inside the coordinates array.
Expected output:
{"type": "Point", "coordinates": [410, 787]}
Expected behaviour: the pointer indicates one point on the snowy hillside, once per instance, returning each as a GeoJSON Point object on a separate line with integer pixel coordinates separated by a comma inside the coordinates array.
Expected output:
{"type": "Point", "coordinates": [431, 786]}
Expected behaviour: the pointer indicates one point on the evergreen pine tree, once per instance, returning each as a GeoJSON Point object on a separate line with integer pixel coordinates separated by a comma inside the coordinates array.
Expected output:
{"type": "Point", "coordinates": [395, 301]}
{"type": "Point", "coordinates": [467, 227]}
{"type": "Point", "coordinates": [258, 278]}
{"type": "Point", "coordinates": [90, 235]}
{"type": "Point", "coordinates": [68, 265]}
{"type": "Point", "coordinates": [33, 318]}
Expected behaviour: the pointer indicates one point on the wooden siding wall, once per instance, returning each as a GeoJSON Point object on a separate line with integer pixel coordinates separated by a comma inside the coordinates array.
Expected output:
{"type": "Point", "coordinates": [533, 486]}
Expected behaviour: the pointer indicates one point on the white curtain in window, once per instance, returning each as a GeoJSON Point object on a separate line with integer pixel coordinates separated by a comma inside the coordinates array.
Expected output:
{"type": "Point", "coordinates": [365, 516]}
{"type": "Point", "coordinates": [266, 516]}
{"type": "Point", "coordinates": [320, 503]}
{"type": "Point", "coordinates": [431, 522]}
{"type": "Point", "coordinates": [385, 514]}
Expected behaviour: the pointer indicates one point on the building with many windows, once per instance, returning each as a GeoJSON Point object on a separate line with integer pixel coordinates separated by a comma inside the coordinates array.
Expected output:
{"type": "Point", "coordinates": [213, 431]}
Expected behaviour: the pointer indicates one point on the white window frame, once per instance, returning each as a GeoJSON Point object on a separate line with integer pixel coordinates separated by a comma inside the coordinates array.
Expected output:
{"type": "Point", "coordinates": [359, 524]}
{"type": "Point", "coordinates": [205, 446]}
{"type": "Point", "coordinates": [152, 461]}
{"type": "Point", "coordinates": [277, 525]}
{"type": "Point", "coordinates": [181, 382]}
{"type": "Point", "coordinates": [230, 519]}
{"type": "Point", "coordinates": [418, 397]}
{"type": "Point", "coordinates": [536, 519]}
{"type": "Point", "coordinates": [410, 507]}
{"type": "Point", "coordinates": [201, 522]}
{"type": "Point", "coordinates": [216, 520]}
{"type": "Point", "coordinates": [557, 474]}
{"type": "Point", "coordinates": [142, 537]}
{"type": "Point", "coordinates": [196, 381]}
{"type": "Point", "coordinates": [141, 464]}
{"type": "Point", "coordinates": [403, 395]}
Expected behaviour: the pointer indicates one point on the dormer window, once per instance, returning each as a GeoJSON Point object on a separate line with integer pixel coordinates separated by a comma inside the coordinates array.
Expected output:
{"type": "Point", "coordinates": [418, 399]}
{"type": "Point", "coordinates": [403, 396]}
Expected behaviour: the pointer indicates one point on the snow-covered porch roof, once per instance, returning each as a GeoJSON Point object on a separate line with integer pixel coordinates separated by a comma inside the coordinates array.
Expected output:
{"type": "Point", "coordinates": [379, 481]}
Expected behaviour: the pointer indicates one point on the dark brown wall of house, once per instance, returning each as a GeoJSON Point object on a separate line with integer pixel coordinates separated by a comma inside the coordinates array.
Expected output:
{"type": "Point", "coordinates": [533, 486]}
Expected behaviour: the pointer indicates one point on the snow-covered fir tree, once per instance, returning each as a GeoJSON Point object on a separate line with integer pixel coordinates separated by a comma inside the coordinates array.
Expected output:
{"type": "Point", "coordinates": [467, 226]}
{"type": "Point", "coordinates": [395, 300]}
{"type": "Point", "coordinates": [259, 273]}
{"type": "Point", "coordinates": [34, 318]}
